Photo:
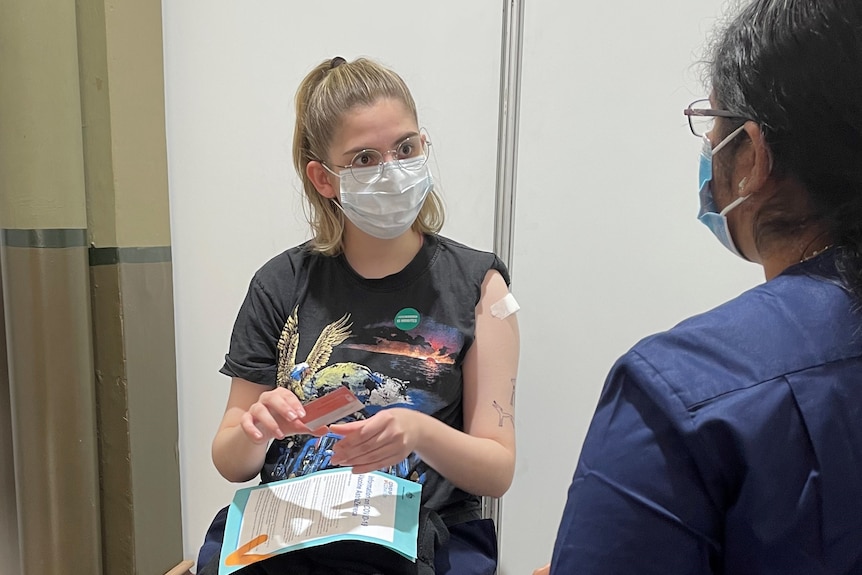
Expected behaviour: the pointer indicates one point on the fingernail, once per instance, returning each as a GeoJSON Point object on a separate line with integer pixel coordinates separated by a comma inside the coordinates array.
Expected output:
{"type": "Point", "coordinates": [301, 412]}
{"type": "Point", "coordinates": [279, 433]}
{"type": "Point", "coordinates": [291, 416]}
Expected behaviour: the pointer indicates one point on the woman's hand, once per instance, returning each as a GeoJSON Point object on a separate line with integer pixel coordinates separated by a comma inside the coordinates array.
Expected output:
{"type": "Point", "coordinates": [276, 414]}
{"type": "Point", "coordinates": [254, 415]}
{"type": "Point", "coordinates": [384, 439]}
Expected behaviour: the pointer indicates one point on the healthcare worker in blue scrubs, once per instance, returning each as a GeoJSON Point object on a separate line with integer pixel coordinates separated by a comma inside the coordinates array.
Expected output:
{"type": "Point", "coordinates": [732, 443]}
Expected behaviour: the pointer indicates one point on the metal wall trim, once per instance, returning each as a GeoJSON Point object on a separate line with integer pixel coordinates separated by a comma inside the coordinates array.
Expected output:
{"type": "Point", "coordinates": [46, 238]}
{"type": "Point", "coordinates": [507, 171]}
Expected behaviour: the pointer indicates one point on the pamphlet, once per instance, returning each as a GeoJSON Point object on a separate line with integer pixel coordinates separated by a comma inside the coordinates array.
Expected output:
{"type": "Point", "coordinates": [326, 506]}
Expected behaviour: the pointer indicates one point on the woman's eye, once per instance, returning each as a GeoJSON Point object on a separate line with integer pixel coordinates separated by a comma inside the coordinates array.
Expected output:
{"type": "Point", "coordinates": [364, 159]}
{"type": "Point", "coordinates": [405, 150]}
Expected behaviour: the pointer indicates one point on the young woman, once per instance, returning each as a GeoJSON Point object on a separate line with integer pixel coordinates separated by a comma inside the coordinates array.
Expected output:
{"type": "Point", "coordinates": [419, 327]}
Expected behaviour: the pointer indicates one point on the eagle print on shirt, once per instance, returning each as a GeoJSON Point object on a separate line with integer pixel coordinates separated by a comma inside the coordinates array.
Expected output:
{"type": "Point", "coordinates": [420, 357]}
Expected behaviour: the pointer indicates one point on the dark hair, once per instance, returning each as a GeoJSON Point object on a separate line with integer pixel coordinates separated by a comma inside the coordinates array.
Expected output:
{"type": "Point", "coordinates": [795, 68]}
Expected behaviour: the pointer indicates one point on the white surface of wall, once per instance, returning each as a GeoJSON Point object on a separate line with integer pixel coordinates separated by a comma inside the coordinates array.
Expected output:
{"type": "Point", "coordinates": [607, 248]}
{"type": "Point", "coordinates": [607, 245]}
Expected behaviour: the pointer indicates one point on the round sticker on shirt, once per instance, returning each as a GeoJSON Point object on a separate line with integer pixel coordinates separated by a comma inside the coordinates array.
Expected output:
{"type": "Point", "coordinates": [407, 319]}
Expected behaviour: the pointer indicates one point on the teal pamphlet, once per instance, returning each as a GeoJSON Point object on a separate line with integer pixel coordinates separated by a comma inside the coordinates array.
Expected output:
{"type": "Point", "coordinates": [326, 506]}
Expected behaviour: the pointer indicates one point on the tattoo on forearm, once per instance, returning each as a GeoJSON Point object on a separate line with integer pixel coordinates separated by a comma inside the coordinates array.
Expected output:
{"type": "Point", "coordinates": [503, 415]}
{"type": "Point", "coordinates": [512, 400]}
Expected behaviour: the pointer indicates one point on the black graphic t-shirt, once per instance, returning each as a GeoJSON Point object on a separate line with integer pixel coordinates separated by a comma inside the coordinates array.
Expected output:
{"type": "Point", "coordinates": [313, 324]}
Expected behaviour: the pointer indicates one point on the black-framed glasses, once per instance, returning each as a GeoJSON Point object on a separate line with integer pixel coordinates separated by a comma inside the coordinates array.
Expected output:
{"type": "Point", "coordinates": [367, 166]}
{"type": "Point", "coordinates": [701, 118]}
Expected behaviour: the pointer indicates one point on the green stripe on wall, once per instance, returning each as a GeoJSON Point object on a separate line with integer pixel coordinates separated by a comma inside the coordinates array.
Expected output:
{"type": "Point", "coordinates": [50, 238]}
{"type": "Point", "coordinates": [113, 256]}
{"type": "Point", "coordinates": [77, 238]}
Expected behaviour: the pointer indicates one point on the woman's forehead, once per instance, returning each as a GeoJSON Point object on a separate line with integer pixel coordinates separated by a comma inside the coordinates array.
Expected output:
{"type": "Point", "coordinates": [383, 123]}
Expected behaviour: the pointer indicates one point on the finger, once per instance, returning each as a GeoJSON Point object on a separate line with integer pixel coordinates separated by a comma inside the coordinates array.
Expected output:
{"type": "Point", "coordinates": [357, 444]}
{"type": "Point", "coordinates": [351, 428]}
{"type": "Point", "coordinates": [265, 422]}
{"type": "Point", "coordinates": [281, 405]}
{"type": "Point", "coordinates": [365, 455]}
{"type": "Point", "coordinates": [373, 465]}
{"type": "Point", "coordinates": [293, 402]}
{"type": "Point", "coordinates": [250, 429]}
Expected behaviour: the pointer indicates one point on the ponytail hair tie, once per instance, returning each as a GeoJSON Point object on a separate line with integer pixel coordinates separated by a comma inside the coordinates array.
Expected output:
{"type": "Point", "coordinates": [336, 62]}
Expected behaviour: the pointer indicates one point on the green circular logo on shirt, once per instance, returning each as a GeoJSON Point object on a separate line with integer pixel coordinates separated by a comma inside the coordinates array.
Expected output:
{"type": "Point", "coordinates": [407, 319]}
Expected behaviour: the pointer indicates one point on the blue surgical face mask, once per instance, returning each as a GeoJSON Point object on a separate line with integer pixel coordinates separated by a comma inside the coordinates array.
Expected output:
{"type": "Point", "coordinates": [713, 219]}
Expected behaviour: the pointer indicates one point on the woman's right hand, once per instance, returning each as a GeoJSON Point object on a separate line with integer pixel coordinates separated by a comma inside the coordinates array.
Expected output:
{"type": "Point", "coordinates": [254, 415]}
{"type": "Point", "coordinates": [276, 414]}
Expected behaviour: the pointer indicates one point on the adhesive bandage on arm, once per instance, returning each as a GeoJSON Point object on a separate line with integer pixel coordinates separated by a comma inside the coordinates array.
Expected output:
{"type": "Point", "coordinates": [505, 307]}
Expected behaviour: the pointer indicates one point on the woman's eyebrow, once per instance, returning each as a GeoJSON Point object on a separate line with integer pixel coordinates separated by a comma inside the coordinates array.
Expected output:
{"type": "Point", "coordinates": [353, 151]}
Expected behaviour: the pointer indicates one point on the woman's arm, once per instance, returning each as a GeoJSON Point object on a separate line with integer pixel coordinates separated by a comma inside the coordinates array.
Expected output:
{"type": "Point", "coordinates": [255, 414]}
{"type": "Point", "coordinates": [479, 460]}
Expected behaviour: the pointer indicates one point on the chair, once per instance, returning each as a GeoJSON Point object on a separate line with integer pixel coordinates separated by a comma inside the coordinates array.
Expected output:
{"type": "Point", "coordinates": [182, 568]}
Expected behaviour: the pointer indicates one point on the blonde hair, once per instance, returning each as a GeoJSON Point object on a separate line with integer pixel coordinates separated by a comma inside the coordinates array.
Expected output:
{"type": "Point", "coordinates": [326, 94]}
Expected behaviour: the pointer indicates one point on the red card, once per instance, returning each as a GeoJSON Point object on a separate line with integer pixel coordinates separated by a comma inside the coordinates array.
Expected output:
{"type": "Point", "coordinates": [331, 407]}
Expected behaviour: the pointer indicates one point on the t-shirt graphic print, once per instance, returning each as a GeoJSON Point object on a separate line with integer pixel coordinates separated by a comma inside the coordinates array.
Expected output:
{"type": "Point", "coordinates": [408, 345]}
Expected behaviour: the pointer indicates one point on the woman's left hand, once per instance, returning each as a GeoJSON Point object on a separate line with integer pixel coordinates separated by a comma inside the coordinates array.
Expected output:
{"type": "Point", "coordinates": [384, 439]}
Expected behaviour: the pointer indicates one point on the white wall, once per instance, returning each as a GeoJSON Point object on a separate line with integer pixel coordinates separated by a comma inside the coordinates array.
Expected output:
{"type": "Point", "coordinates": [607, 248]}
{"type": "Point", "coordinates": [607, 245]}
{"type": "Point", "coordinates": [232, 69]}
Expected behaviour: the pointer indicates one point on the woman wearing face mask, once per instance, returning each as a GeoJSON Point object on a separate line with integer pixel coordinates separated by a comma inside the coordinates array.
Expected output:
{"type": "Point", "coordinates": [733, 442]}
{"type": "Point", "coordinates": [419, 327]}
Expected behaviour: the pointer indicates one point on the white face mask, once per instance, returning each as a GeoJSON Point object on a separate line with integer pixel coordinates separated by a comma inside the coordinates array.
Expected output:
{"type": "Point", "coordinates": [388, 207]}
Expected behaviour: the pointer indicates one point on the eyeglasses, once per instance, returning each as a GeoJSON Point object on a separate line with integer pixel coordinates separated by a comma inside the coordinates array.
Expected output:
{"type": "Point", "coordinates": [367, 165]}
{"type": "Point", "coordinates": [701, 118]}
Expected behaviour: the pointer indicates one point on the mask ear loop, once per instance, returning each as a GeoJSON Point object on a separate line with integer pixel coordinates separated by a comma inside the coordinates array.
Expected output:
{"type": "Point", "coordinates": [435, 169]}
{"type": "Point", "coordinates": [727, 140]}
{"type": "Point", "coordinates": [738, 200]}
{"type": "Point", "coordinates": [340, 216]}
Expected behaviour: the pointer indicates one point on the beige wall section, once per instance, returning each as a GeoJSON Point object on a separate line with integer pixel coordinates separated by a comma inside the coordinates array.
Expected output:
{"type": "Point", "coordinates": [137, 416]}
{"type": "Point", "coordinates": [8, 508]}
{"type": "Point", "coordinates": [122, 78]}
{"type": "Point", "coordinates": [53, 409]}
{"type": "Point", "coordinates": [122, 82]}
{"type": "Point", "coordinates": [96, 130]}
{"type": "Point", "coordinates": [114, 442]}
{"type": "Point", "coordinates": [46, 291]}
{"type": "Point", "coordinates": [40, 121]}
{"type": "Point", "coordinates": [151, 369]}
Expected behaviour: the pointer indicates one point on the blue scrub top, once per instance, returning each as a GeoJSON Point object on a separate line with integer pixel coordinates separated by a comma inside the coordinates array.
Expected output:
{"type": "Point", "coordinates": [730, 444]}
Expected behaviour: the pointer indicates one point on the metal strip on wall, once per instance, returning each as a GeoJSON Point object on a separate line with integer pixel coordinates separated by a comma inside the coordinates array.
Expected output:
{"type": "Point", "coordinates": [507, 166]}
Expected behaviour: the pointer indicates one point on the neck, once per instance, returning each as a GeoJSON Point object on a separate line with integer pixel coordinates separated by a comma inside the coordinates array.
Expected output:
{"type": "Point", "coordinates": [802, 248]}
{"type": "Point", "coordinates": [373, 258]}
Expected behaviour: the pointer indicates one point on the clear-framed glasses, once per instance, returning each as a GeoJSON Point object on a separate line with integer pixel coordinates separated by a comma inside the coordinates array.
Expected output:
{"type": "Point", "coordinates": [701, 118]}
{"type": "Point", "coordinates": [367, 166]}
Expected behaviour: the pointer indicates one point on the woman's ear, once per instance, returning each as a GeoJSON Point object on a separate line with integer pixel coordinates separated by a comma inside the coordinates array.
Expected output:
{"type": "Point", "coordinates": [760, 159]}
{"type": "Point", "coordinates": [321, 179]}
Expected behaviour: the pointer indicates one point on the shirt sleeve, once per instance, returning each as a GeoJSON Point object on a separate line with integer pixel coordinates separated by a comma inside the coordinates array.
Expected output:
{"type": "Point", "coordinates": [637, 502]}
{"type": "Point", "coordinates": [253, 353]}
